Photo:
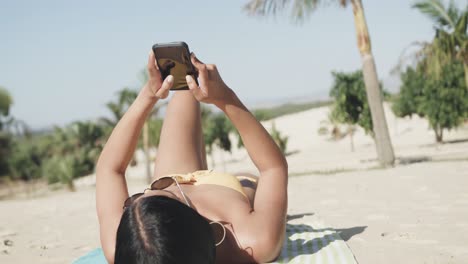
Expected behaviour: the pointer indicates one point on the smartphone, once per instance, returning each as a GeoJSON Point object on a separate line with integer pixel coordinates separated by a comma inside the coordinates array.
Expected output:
{"type": "Point", "coordinates": [174, 59]}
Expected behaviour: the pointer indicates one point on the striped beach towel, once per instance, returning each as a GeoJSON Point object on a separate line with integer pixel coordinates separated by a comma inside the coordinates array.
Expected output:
{"type": "Point", "coordinates": [314, 243]}
{"type": "Point", "coordinates": [308, 243]}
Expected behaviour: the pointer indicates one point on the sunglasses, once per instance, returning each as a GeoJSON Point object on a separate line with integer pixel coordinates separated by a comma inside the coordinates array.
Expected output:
{"type": "Point", "coordinates": [159, 184]}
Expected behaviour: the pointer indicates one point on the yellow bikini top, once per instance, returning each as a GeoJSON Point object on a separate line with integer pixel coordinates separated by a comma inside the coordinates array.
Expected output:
{"type": "Point", "coordinates": [210, 177]}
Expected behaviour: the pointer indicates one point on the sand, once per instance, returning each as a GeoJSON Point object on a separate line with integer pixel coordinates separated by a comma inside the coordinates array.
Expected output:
{"type": "Point", "coordinates": [412, 213]}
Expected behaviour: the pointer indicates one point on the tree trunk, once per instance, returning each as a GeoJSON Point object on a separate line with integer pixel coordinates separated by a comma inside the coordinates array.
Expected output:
{"type": "Point", "coordinates": [146, 151]}
{"type": "Point", "coordinates": [439, 133]}
{"type": "Point", "coordinates": [374, 96]}
{"type": "Point", "coordinates": [351, 137]}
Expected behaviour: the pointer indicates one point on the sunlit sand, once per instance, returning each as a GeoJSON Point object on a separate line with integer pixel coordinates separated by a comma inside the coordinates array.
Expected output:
{"type": "Point", "coordinates": [416, 212]}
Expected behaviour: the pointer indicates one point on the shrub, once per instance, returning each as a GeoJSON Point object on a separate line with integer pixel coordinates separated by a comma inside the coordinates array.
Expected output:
{"type": "Point", "coordinates": [216, 132]}
{"type": "Point", "coordinates": [280, 140]}
{"type": "Point", "coordinates": [443, 102]}
{"type": "Point", "coordinates": [351, 106]}
{"type": "Point", "coordinates": [5, 152]}
{"type": "Point", "coordinates": [60, 169]}
{"type": "Point", "coordinates": [26, 159]}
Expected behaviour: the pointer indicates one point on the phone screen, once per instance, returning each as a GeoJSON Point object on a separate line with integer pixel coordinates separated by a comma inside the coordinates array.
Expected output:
{"type": "Point", "coordinates": [174, 59]}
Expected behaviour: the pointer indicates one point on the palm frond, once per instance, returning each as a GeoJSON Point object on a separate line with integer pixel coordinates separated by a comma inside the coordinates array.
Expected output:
{"type": "Point", "coordinates": [265, 7]}
{"type": "Point", "coordinates": [116, 110]}
{"type": "Point", "coordinates": [453, 12]}
{"type": "Point", "coordinates": [300, 9]}
{"type": "Point", "coordinates": [461, 25]}
{"type": "Point", "coordinates": [432, 56]}
{"type": "Point", "coordinates": [450, 42]}
{"type": "Point", "coordinates": [411, 58]}
{"type": "Point", "coordinates": [437, 12]}
{"type": "Point", "coordinates": [437, 54]}
{"type": "Point", "coordinates": [127, 96]}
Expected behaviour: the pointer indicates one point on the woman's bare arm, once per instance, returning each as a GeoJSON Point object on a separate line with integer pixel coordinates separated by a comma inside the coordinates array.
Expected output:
{"type": "Point", "coordinates": [111, 186]}
{"type": "Point", "coordinates": [270, 204]}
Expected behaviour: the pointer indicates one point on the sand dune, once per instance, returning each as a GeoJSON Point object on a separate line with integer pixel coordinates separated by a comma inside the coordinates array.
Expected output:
{"type": "Point", "coordinates": [416, 213]}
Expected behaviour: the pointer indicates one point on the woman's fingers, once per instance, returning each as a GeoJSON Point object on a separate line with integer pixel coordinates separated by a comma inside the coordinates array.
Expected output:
{"type": "Point", "coordinates": [194, 88]}
{"type": "Point", "coordinates": [153, 70]}
{"type": "Point", "coordinates": [200, 66]}
{"type": "Point", "coordinates": [155, 79]}
{"type": "Point", "coordinates": [151, 62]}
{"type": "Point", "coordinates": [163, 92]}
{"type": "Point", "coordinates": [198, 61]}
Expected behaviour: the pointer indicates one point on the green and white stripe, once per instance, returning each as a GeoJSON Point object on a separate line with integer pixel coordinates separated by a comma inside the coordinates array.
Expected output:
{"type": "Point", "coordinates": [305, 243]}
{"type": "Point", "coordinates": [313, 243]}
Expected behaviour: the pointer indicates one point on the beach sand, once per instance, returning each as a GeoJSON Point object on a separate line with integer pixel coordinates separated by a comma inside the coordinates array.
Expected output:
{"type": "Point", "coordinates": [416, 212]}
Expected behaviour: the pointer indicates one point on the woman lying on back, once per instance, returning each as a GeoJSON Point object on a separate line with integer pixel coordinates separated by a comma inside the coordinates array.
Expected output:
{"type": "Point", "coordinates": [190, 214]}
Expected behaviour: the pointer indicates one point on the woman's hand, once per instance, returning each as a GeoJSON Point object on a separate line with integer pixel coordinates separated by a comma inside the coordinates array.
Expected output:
{"type": "Point", "coordinates": [212, 88]}
{"type": "Point", "coordinates": [156, 87]}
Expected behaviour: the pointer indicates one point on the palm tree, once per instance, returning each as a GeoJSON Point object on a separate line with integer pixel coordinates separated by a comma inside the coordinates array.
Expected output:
{"type": "Point", "coordinates": [300, 10]}
{"type": "Point", "coordinates": [450, 42]}
{"type": "Point", "coordinates": [125, 98]}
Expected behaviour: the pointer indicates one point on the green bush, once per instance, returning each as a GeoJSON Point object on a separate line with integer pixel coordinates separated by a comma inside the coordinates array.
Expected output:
{"type": "Point", "coordinates": [280, 140]}
{"type": "Point", "coordinates": [351, 105]}
{"type": "Point", "coordinates": [60, 170]}
{"type": "Point", "coordinates": [5, 152]}
{"type": "Point", "coordinates": [26, 159]}
{"type": "Point", "coordinates": [407, 102]}
{"type": "Point", "coordinates": [57, 156]}
{"type": "Point", "coordinates": [216, 132]}
{"type": "Point", "coordinates": [443, 102]}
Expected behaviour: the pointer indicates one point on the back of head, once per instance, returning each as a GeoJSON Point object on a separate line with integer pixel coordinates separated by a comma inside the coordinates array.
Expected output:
{"type": "Point", "coordinates": [161, 230]}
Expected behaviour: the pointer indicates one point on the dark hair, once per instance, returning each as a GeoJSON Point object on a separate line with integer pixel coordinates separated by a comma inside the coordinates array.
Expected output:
{"type": "Point", "coordinates": [161, 230]}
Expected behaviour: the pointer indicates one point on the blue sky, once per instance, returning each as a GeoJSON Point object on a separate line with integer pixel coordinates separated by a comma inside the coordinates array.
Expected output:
{"type": "Point", "coordinates": [63, 60]}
